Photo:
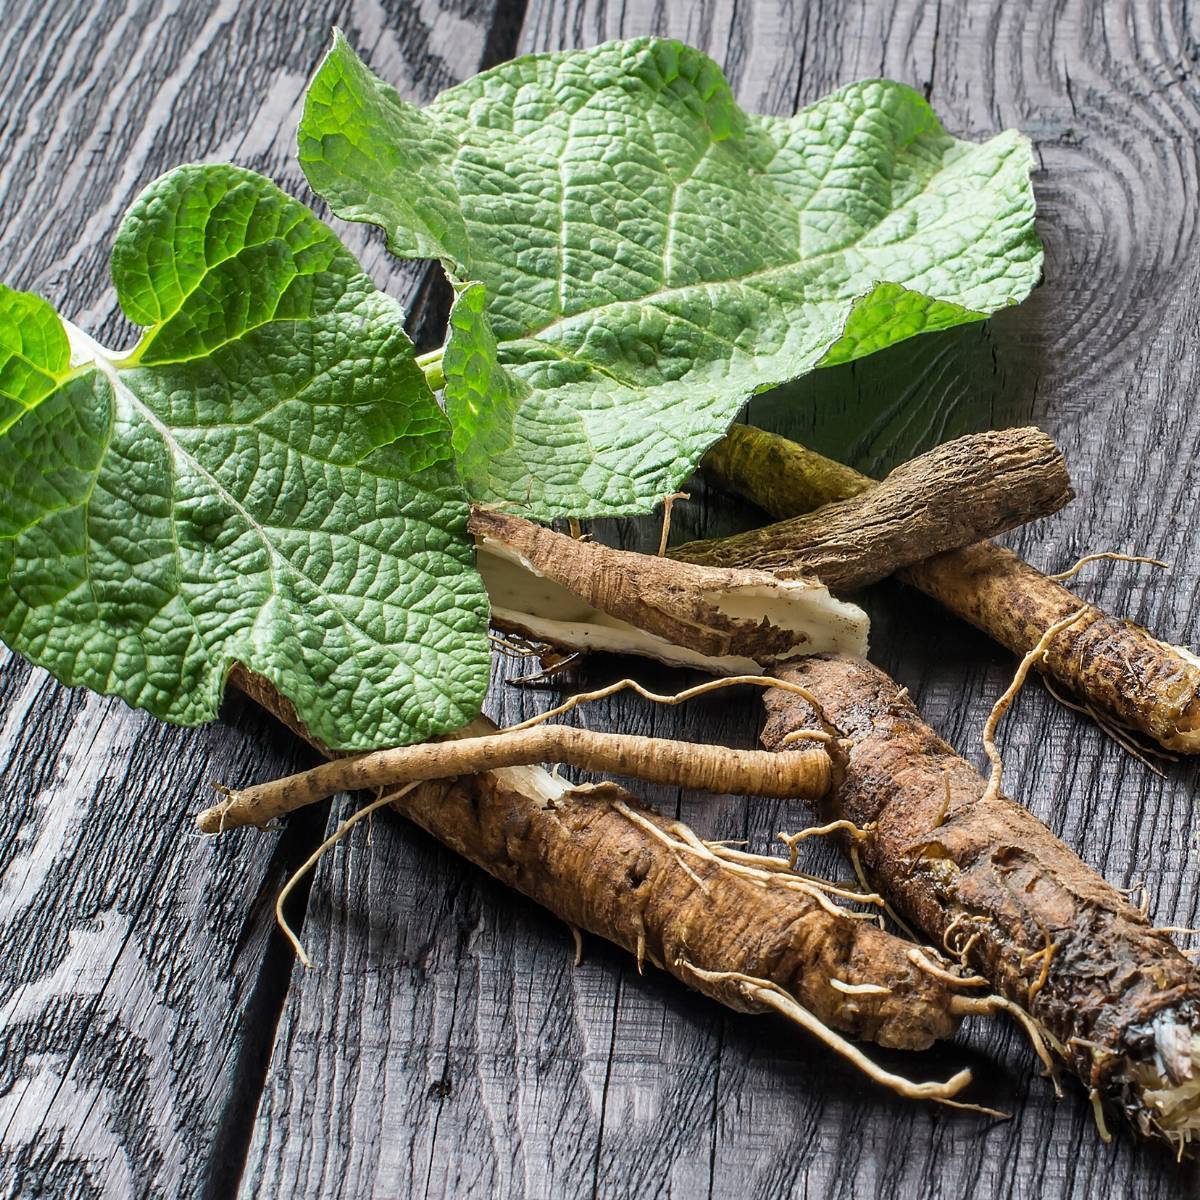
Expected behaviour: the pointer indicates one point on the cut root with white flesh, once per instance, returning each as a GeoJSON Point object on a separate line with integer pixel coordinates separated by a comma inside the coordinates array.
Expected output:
{"type": "Point", "coordinates": [1169, 1079]}
{"type": "Point", "coordinates": [585, 596]}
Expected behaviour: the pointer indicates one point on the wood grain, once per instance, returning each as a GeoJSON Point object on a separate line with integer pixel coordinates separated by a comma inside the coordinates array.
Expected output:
{"type": "Point", "coordinates": [444, 1045]}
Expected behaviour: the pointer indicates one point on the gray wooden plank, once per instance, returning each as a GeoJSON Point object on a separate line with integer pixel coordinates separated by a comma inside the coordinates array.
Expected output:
{"type": "Point", "coordinates": [444, 1047]}
{"type": "Point", "coordinates": [140, 973]}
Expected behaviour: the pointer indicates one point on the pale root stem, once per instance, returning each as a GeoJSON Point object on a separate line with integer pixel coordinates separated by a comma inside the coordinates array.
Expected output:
{"type": "Point", "coordinates": [763, 862]}
{"type": "Point", "coordinates": [577, 937]}
{"type": "Point", "coordinates": [809, 886]}
{"type": "Point", "coordinates": [771, 995]}
{"type": "Point", "coordinates": [657, 760]}
{"type": "Point", "coordinates": [314, 858]}
{"type": "Point", "coordinates": [779, 869]}
{"type": "Point", "coordinates": [1115, 556]}
{"type": "Point", "coordinates": [918, 959]}
{"type": "Point", "coordinates": [996, 777]}
{"type": "Point", "coordinates": [668, 505]}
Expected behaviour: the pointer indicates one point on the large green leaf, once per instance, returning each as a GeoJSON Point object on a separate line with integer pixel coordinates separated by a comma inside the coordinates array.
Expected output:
{"type": "Point", "coordinates": [634, 256]}
{"type": "Point", "coordinates": [266, 480]}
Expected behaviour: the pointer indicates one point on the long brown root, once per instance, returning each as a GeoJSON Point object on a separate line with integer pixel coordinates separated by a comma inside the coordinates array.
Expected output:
{"type": "Point", "coordinates": [1116, 667]}
{"type": "Point", "coordinates": [576, 851]}
{"type": "Point", "coordinates": [607, 865]}
{"type": "Point", "coordinates": [657, 760]}
{"type": "Point", "coordinates": [957, 493]}
{"type": "Point", "coordinates": [1047, 932]}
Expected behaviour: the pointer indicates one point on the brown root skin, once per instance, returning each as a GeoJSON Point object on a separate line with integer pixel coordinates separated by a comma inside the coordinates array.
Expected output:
{"type": "Point", "coordinates": [782, 477]}
{"type": "Point", "coordinates": [1114, 665]}
{"type": "Point", "coordinates": [579, 856]}
{"type": "Point", "coordinates": [657, 760]}
{"type": "Point", "coordinates": [957, 493]}
{"type": "Point", "coordinates": [765, 943]}
{"type": "Point", "coordinates": [1045, 929]}
{"type": "Point", "coordinates": [553, 588]}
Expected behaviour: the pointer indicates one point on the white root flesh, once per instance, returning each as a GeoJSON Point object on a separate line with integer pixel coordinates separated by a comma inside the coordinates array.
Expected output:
{"type": "Point", "coordinates": [584, 596]}
{"type": "Point", "coordinates": [1170, 1081]}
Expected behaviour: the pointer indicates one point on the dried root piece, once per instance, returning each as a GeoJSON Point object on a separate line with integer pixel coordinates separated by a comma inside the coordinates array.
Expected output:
{"type": "Point", "coordinates": [1047, 932]}
{"type": "Point", "coordinates": [582, 595]}
{"type": "Point", "coordinates": [957, 493]}
{"type": "Point", "coordinates": [1114, 666]}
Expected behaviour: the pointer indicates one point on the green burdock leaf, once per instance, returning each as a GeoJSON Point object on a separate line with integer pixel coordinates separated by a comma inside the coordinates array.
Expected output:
{"type": "Point", "coordinates": [634, 256]}
{"type": "Point", "coordinates": [265, 479]}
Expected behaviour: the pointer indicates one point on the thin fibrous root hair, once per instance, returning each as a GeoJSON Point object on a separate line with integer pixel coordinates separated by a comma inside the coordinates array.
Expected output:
{"type": "Point", "coordinates": [918, 959]}
{"type": "Point", "coordinates": [1125, 736]}
{"type": "Point", "coordinates": [793, 840]}
{"type": "Point", "coordinates": [315, 857]}
{"type": "Point", "coordinates": [688, 842]}
{"type": "Point", "coordinates": [1113, 555]}
{"type": "Point", "coordinates": [766, 864]}
{"type": "Point", "coordinates": [763, 991]}
{"type": "Point", "coordinates": [996, 777]}
{"type": "Point", "coordinates": [666, 698]}
{"type": "Point", "coordinates": [1040, 1038]}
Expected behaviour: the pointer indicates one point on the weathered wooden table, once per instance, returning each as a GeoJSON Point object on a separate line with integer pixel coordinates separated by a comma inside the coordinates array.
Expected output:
{"type": "Point", "coordinates": [157, 1038]}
